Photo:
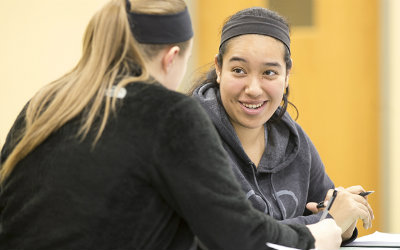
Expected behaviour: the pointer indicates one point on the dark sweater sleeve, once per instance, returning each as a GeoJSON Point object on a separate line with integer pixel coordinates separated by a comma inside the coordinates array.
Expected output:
{"type": "Point", "coordinates": [14, 135]}
{"type": "Point", "coordinates": [320, 182]}
{"type": "Point", "coordinates": [193, 175]}
{"type": "Point", "coordinates": [305, 220]}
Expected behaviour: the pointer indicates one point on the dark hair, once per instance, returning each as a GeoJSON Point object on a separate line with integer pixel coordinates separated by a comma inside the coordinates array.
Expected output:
{"type": "Point", "coordinates": [211, 75]}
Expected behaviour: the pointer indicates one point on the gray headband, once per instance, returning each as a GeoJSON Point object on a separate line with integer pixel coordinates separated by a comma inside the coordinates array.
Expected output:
{"type": "Point", "coordinates": [160, 29]}
{"type": "Point", "coordinates": [256, 25]}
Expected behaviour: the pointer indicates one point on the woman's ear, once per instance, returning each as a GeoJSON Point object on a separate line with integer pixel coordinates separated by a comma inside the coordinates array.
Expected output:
{"type": "Point", "coordinates": [287, 79]}
{"type": "Point", "coordinates": [217, 69]}
{"type": "Point", "coordinates": [169, 57]}
{"type": "Point", "coordinates": [288, 74]}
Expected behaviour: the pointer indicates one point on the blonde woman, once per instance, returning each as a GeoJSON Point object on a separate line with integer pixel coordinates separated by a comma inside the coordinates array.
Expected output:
{"type": "Point", "coordinates": [109, 157]}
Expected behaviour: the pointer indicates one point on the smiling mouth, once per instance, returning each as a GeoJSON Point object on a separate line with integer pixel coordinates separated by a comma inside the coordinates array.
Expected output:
{"type": "Point", "coordinates": [252, 106]}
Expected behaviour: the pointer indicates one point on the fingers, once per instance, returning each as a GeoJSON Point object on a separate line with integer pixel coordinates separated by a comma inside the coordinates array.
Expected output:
{"type": "Point", "coordinates": [371, 212]}
{"type": "Point", "coordinates": [364, 215]}
{"type": "Point", "coordinates": [340, 188]}
{"type": "Point", "coordinates": [312, 206]}
{"type": "Point", "coordinates": [349, 207]}
{"type": "Point", "coordinates": [364, 201]}
{"type": "Point", "coordinates": [364, 210]}
{"type": "Point", "coordinates": [355, 189]}
{"type": "Point", "coordinates": [330, 192]}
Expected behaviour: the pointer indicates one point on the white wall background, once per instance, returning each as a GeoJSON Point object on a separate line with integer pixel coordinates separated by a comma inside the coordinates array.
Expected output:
{"type": "Point", "coordinates": [40, 41]}
{"type": "Point", "coordinates": [390, 48]}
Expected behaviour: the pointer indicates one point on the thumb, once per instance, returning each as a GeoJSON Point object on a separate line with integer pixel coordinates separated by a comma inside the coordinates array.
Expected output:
{"type": "Point", "coordinates": [312, 206]}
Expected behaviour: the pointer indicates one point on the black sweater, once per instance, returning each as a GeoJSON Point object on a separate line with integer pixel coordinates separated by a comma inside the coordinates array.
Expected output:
{"type": "Point", "coordinates": [157, 177]}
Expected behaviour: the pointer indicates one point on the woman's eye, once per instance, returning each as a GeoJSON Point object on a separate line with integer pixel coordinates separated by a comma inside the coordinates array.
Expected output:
{"type": "Point", "coordinates": [238, 71]}
{"type": "Point", "coordinates": [270, 73]}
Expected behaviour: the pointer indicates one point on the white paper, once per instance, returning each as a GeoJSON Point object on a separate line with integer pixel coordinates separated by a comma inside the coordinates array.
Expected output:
{"type": "Point", "coordinates": [377, 239]}
{"type": "Point", "coordinates": [280, 247]}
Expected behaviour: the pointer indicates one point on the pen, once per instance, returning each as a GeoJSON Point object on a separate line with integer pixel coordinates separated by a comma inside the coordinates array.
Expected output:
{"type": "Point", "coordinates": [363, 194]}
{"type": "Point", "coordinates": [330, 202]}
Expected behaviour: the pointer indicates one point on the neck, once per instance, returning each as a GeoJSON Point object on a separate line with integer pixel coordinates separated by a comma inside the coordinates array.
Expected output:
{"type": "Point", "coordinates": [154, 69]}
{"type": "Point", "coordinates": [253, 142]}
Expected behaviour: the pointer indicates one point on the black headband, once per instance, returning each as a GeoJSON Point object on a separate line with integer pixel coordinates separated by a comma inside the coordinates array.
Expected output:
{"type": "Point", "coordinates": [160, 29]}
{"type": "Point", "coordinates": [256, 25]}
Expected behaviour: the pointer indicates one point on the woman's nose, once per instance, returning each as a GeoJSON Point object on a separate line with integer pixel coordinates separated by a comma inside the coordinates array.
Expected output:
{"type": "Point", "coordinates": [253, 87]}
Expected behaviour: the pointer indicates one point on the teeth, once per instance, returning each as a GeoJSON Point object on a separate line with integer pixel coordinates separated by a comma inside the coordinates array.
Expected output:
{"type": "Point", "coordinates": [252, 106]}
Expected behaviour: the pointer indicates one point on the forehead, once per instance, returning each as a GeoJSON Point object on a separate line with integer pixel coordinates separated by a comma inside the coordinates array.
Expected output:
{"type": "Point", "coordinates": [254, 45]}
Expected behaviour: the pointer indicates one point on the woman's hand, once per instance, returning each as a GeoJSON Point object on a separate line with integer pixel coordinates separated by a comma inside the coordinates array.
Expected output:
{"type": "Point", "coordinates": [347, 208]}
{"type": "Point", "coordinates": [327, 234]}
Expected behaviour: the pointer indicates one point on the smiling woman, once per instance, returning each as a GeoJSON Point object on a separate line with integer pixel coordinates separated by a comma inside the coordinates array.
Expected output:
{"type": "Point", "coordinates": [252, 83]}
{"type": "Point", "coordinates": [253, 80]}
{"type": "Point", "coordinates": [246, 97]}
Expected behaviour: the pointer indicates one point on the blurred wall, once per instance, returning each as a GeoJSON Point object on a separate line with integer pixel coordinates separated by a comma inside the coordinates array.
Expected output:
{"type": "Point", "coordinates": [334, 83]}
{"type": "Point", "coordinates": [40, 41]}
{"type": "Point", "coordinates": [390, 84]}
{"type": "Point", "coordinates": [337, 90]}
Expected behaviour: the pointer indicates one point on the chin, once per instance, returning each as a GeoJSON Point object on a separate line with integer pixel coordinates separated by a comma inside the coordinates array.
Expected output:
{"type": "Point", "coordinates": [253, 125]}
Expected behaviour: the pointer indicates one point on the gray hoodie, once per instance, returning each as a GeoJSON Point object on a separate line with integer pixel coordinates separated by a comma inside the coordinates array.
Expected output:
{"type": "Point", "coordinates": [290, 173]}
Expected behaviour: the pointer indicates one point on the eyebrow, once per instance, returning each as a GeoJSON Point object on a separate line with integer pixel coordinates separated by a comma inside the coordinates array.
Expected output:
{"type": "Point", "coordinates": [236, 58]}
{"type": "Point", "coordinates": [273, 64]}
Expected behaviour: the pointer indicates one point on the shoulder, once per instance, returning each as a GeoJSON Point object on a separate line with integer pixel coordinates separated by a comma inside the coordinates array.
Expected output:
{"type": "Point", "coordinates": [288, 127]}
{"type": "Point", "coordinates": [154, 91]}
{"type": "Point", "coordinates": [14, 135]}
{"type": "Point", "coordinates": [154, 100]}
{"type": "Point", "coordinates": [293, 125]}
{"type": "Point", "coordinates": [303, 138]}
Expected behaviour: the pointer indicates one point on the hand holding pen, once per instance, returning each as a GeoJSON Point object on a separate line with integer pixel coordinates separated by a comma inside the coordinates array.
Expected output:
{"type": "Point", "coordinates": [346, 207]}
{"type": "Point", "coordinates": [328, 206]}
{"type": "Point", "coordinates": [321, 204]}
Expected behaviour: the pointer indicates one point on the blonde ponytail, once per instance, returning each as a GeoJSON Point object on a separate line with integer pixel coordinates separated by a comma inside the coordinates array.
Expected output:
{"type": "Point", "coordinates": [108, 50]}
